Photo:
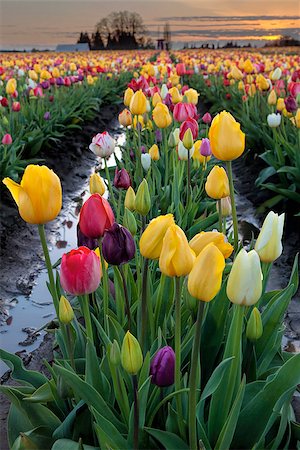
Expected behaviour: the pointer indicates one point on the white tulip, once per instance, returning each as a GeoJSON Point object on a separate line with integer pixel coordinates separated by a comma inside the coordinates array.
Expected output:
{"type": "Point", "coordinates": [268, 244]}
{"type": "Point", "coordinates": [274, 120]}
{"type": "Point", "coordinates": [164, 91]}
{"type": "Point", "coordinates": [183, 152]}
{"type": "Point", "coordinates": [146, 161]}
{"type": "Point", "coordinates": [102, 145]}
{"type": "Point", "coordinates": [276, 75]}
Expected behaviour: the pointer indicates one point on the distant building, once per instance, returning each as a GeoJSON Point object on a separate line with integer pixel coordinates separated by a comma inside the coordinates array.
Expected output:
{"type": "Point", "coordinates": [72, 47]}
{"type": "Point", "coordinates": [165, 42]}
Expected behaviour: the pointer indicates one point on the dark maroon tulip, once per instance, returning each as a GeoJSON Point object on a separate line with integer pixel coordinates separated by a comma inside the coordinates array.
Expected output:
{"type": "Point", "coordinates": [162, 367]}
{"type": "Point", "coordinates": [83, 240]}
{"type": "Point", "coordinates": [118, 245]}
{"type": "Point", "coordinates": [122, 179]}
{"type": "Point", "coordinates": [290, 104]}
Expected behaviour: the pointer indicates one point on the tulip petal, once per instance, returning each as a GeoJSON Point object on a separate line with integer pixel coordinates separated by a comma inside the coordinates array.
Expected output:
{"type": "Point", "coordinates": [14, 188]}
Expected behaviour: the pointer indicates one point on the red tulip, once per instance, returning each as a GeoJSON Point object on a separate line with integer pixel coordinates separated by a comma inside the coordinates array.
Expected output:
{"type": "Point", "coordinates": [180, 69]}
{"type": "Point", "coordinates": [80, 271]}
{"type": "Point", "coordinates": [190, 123]}
{"type": "Point", "coordinates": [96, 216]}
{"type": "Point", "coordinates": [4, 102]}
{"type": "Point", "coordinates": [16, 106]}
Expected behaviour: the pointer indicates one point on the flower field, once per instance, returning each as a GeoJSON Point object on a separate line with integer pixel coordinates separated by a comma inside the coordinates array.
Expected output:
{"type": "Point", "coordinates": [168, 332]}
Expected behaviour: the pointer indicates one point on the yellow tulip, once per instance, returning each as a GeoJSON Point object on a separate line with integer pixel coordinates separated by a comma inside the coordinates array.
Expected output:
{"type": "Point", "coordinates": [39, 196]}
{"type": "Point", "coordinates": [129, 201]}
{"type": "Point", "coordinates": [192, 96]}
{"type": "Point", "coordinates": [205, 278]}
{"type": "Point", "coordinates": [138, 119]}
{"type": "Point", "coordinates": [217, 184]}
{"type": "Point", "coordinates": [131, 354]}
{"type": "Point", "coordinates": [125, 118]}
{"type": "Point", "coordinates": [235, 73]}
{"type": "Point", "coordinates": [11, 86]}
{"type": "Point", "coordinates": [252, 90]}
{"type": "Point", "coordinates": [262, 83]}
{"type": "Point", "coordinates": [156, 99]}
{"type": "Point", "coordinates": [66, 313]}
{"type": "Point", "coordinates": [138, 103]}
{"type": "Point", "coordinates": [226, 138]}
{"type": "Point", "coordinates": [244, 285]}
{"type": "Point", "coordinates": [162, 116]}
{"type": "Point", "coordinates": [297, 118]}
{"type": "Point", "coordinates": [97, 185]}
{"type": "Point", "coordinates": [248, 66]}
{"type": "Point", "coordinates": [176, 257]}
{"type": "Point", "coordinates": [154, 152]}
{"type": "Point", "coordinates": [55, 72]}
{"type": "Point", "coordinates": [151, 241]}
{"type": "Point", "coordinates": [268, 244]}
{"type": "Point", "coordinates": [272, 98]}
{"type": "Point", "coordinates": [128, 94]}
{"type": "Point", "coordinates": [204, 238]}
{"type": "Point", "coordinates": [176, 97]}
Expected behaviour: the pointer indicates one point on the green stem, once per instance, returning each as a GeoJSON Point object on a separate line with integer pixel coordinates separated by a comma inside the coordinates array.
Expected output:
{"type": "Point", "coordinates": [87, 317]}
{"type": "Point", "coordinates": [178, 353]}
{"type": "Point", "coordinates": [105, 287]}
{"type": "Point", "coordinates": [188, 179]}
{"type": "Point", "coordinates": [136, 413]}
{"type": "Point", "coordinates": [144, 304]}
{"type": "Point", "coordinates": [127, 305]}
{"type": "Point", "coordinates": [166, 156]}
{"type": "Point", "coordinates": [234, 215]}
{"type": "Point", "coordinates": [193, 378]}
{"type": "Point", "coordinates": [219, 208]}
{"type": "Point", "coordinates": [70, 346]}
{"type": "Point", "coordinates": [110, 189]}
{"type": "Point", "coordinates": [49, 269]}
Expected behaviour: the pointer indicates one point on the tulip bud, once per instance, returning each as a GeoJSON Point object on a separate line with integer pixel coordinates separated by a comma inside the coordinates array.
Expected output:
{"type": "Point", "coordinates": [146, 161]}
{"type": "Point", "coordinates": [205, 149]}
{"type": "Point", "coordinates": [122, 179]}
{"type": "Point", "coordinates": [276, 74]}
{"type": "Point", "coordinates": [66, 313]}
{"type": "Point", "coordinates": [164, 91]}
{"type": "Point", "coordinates": [192, 96]}
{"type": "Point", "coordinates": [129, 222]}
{"type": "Point", "coordinates": [138, 103]}
{"type": "Point", "coordinates": [154, 152]}
{"type": "Point", "coordinates": [114, 353]}
{"type": "Point", "coordinates": [272, 98]}
{"type": "Point", "coordinates": [244, 285]}
{"type": "Point", "coordinates": [125, 118]}
{"type": "Point", "coordinates": [118, 246]}
{"type": "Point", "coordinates": [142, 199]}
{"type": "Point", "coordinates": [131, 354]}
{"type": "Point", "coordinates": [130, 199]}
{"type": "Point", "coordinates": [162, 116]}
{"type": "Point", "coordinates": [7, 139]}
{"type": "Point", "coordinates": [97, 185]}
{"type": "Point", "coordinates": [268, 244]}
{"type": "Point", "coordinates": [217, 183]}
{"type": "Point", "coordinates": [274, 120]}
{"type": "Point", "coordinates": [254, 328]}
{"type": "Point", "coordinates": [188, 141]}
{"type": "Point", "coordinates": [152, 238]}
{"type": "Point", "coordinates": [297, 118]}
{"type": "Point", "coordinates": [225, 207]}
{"type": "Point", "coordinates": [226, 138]}
{"type": "Point", "coordinates": [96, 216]}
{"type": "Point", "coordinates": [183, 152]}
{"type": "Point", "coordinates": [280, 104]}
{"type": "Point", "coordinates": [207, 118]}
{"type": "Point", "coordinates": [172, 141]}
{"type": "Point", "coordinates": [162, 367]}
{"type": "Point", "coordinates": [128, 96]}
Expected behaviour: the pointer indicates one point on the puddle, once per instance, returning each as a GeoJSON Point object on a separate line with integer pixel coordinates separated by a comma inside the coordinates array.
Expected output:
{"type": "Point", "coordinates": [27, 314]}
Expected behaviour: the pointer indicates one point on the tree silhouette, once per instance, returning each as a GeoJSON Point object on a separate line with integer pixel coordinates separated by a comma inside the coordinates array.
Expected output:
{"type": "Point", "coordinates": [84, 39]}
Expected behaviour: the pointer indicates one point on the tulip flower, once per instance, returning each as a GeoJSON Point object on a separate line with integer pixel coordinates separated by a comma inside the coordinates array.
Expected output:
{"type": "Point", "coordinates": [207, 118]}
{"type": "Point", "coordinates": [125, 118]}
{"type": "Point", "coordinates": [7, 139]}
{"type": "Point", "coordinates": [183, 153]}
{"type": "Point", "coordinates": [66, 313]}
{"type": "Point", "coordinates": [97, 185]}
{"type": "Point", "coordinates": [151, 241]}
{"type": "Point", "coordinates": [16, 106]}
{"type": "Point", "coordinates": [142, 199]}
{"type": "Point", "coordinates": [191, 124]}
{"type": "Point", "coordinates": [47, 115]}
{"type": "Point", "coordinates": [156, 99]}
{"type": "Point", "coordinates": [217, 184]}
{"type": "Point", "coordinates": [280, 105]}
{"type": "Point", "coordinates": [274, 120]}
{"type": "Point", "coordinates": [131, 354]}
{"type": "Point", "coordinates": [192, 96]}
{"type": "Point", "coordinates": [225, 205]}
{"type": "Point", "coordinates": [84, 241]}
{"type": "Point", "coordinates": [205, 278]}
{"type": "Point", "coordinates": [176, 257]}
{"type": "Point", "coordinates": [254, 328]}
{"type": "Point", "coordinates": [11, 86]}
{"type": "Point", "coordinates": [122, 179]}
{"type": "Point", "coordinates": [38, 196]}
{"type": "Point", "coordinates": [188, 140]}
{"type": "Point", "coordinates": [162, 367]}
{"type": "Point", "coordinates": [138, 103]}
{"type": "Point", "coordinates": [205, 149]}
{"type": "Point", "coordinates": [226, 138]}
{"type": "Point", "coordinates": [96, 216]}
{"type": "Point", "coordinates": [182, 111]}
{"type": "Point", "coordinates": [80, 271]}
{"type": "Point", "coordinates": [297, 118]}
{"type": "Point", "coordinates": [129, 201]}
{"type": "Point", "coordinates": [102, 145]}
{"type": "Point", "coordinates": [272, 98]}
{"type": "Point", "coordinates": [164, 91]}
{"type": "Point", "coordinates": [276, 75]}
{"type": "Point", "coordinates": [154, 152]}
{"type": "Point", "coordinates": [175, 96]}
{"type": "Point", "coordinates": [146, 161]}
{"type": "Point", "coordinates": [290, 104]}
{"type": "Point", "coordinates": [128, 96]}
{"type": "Point", "coordinates": [268, 244]}
{"type": "Point", "coordinates": [244, 286]}
{"type": "Point", "coordinates": [201, 240]}
{"type": "Point", "coordinates": [162, 116]}
{"type": "Point", "coordinates": [118, 245]}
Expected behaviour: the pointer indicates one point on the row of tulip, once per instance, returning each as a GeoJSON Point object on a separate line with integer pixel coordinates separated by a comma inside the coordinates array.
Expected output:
{"type": "Point", "coordinates": [167, 336]}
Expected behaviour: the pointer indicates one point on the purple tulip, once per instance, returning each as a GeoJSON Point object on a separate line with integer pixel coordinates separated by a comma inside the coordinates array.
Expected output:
{"type": "Point", "coordinates": [47, 115]}
{"type": "Point", "coordinates": [59, 81]}
{"type": "Point", "coordinates": [45, 84]}
{"type": "Point", "coordinates": [118, 245]}
{"type": "Point", "coordinates": [168, 100]}
{"type": "Point", "coordinates": [290, 104]}
{"type": "Point", "coordinates": [205, 149]}
{"type": "Point", "coordinates": [143, 149]}
{"type": "Point", "coordinates": [132, 155]}
{"type": "Point", "coordinates": [83, 240]}
{"type": "Point", "coordinates": [158, 136]}
{"type": "Point", "coordinates": [162, 367]}
{"type": "Point", "coordinates": [122, 179]}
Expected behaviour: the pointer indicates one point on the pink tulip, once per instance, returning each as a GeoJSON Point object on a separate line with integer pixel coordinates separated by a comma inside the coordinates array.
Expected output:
{"type": "Point", "coordinates": [184, 110]}
{"type": "Point", "coordinates": [16, 106]}
{"type": "Point", "coordinates": [189, 123]}
{"type": "Point", "coordinates": [7, 139]}
{"type": "Point", "coordinates": [80, 271]}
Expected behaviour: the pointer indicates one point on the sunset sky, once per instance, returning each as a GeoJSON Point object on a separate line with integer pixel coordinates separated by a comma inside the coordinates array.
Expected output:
{"type": "Point", "coordinates": [45, 23]}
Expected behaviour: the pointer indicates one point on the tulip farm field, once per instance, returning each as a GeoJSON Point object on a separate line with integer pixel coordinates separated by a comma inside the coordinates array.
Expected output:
{"type": "Point", "coordinates": [150, 205]}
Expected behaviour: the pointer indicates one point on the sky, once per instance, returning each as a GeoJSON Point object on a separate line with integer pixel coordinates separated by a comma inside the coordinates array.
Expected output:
{"type": "Point", "coordinates": [46, 23]}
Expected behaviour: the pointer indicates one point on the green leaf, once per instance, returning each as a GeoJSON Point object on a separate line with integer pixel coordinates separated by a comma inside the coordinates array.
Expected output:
{"type": "Point", "coordinates": [67, 444]}
{"type": "Point", "coordinates": [169, 441]}
{"type": "Point", "coordinates": [19, 373]}
{"type": "Point", "coordinates": [108, 433]}
{"type": "Point", "coordinates": [65, 430]}
{"type": "Point", "coordinates": [43, 394]}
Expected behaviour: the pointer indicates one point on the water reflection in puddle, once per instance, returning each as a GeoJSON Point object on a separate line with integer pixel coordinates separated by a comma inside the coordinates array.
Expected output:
{"type": "Point", "coordinates": [30, 313]}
